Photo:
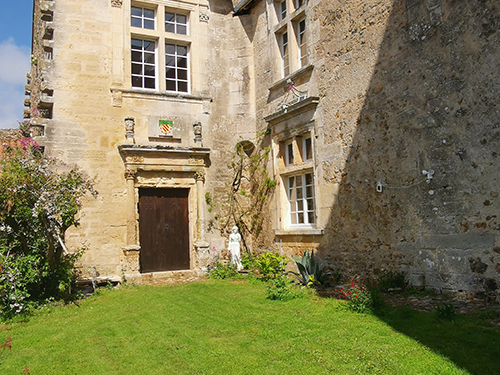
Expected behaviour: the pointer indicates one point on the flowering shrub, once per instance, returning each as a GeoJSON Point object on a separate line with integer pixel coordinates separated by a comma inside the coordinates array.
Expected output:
{"type": "Point", "coordinates": [39, 200]}
{"type": "Point", "coordinates": [217, 270]}
{"type": "Point", "coordinates": [358, 296]}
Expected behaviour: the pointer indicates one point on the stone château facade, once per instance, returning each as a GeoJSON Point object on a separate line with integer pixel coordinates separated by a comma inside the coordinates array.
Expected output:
{"type": "Point", "coordinates": [380, 117]}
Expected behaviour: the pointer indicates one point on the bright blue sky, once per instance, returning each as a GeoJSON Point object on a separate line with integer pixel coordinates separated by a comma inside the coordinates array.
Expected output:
{"type": "Point", "coordinates": [15, 49]}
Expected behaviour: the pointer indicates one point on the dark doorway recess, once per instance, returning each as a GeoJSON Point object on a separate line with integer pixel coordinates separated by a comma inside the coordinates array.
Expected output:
{"type": "Point", "coordinates": [163, 229]}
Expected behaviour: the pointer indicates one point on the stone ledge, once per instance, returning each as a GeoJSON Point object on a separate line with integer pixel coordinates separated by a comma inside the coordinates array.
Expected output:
{"type": "Point", "coordinates": [299, 232]}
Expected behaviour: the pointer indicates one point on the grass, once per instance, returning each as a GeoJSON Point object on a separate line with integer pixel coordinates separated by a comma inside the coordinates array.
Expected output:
{"type": "Point", "coordinates": [219, 327]}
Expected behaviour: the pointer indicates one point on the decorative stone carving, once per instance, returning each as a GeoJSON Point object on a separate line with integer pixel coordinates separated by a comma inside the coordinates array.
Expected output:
{"type": "Point", "coordinates": [195, 161]}
{"type": "Point", "coordinates": [204, 17]}
{"type": "Point", "coordinates": [116, 3]}
{"type": "Point", "coordinates": [135, 159]}
{"type": "Point", "coordinates": [199, 175]}
{"type": "Point", "coordinates": [130, 174]}
{"type": "Point", "coordinates": [197, 131]}
{"type": "Point", "coordinates": [129, 128]}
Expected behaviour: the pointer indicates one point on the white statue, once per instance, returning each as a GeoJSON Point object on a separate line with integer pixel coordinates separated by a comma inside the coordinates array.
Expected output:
{"type": "Point", "coordinates": [234, 248]}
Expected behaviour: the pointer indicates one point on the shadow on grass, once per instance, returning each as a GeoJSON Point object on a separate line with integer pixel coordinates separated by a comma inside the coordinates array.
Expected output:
{"type": "Point", "coordinates": [467, 341]}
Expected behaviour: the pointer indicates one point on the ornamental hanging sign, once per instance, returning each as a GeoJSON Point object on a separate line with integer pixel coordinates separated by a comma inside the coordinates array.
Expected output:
{"type": "Point", "coordinates": [165, 128]}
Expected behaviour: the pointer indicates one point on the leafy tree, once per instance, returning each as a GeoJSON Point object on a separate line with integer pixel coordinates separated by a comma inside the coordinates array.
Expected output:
{"type": "Point", "coordinates": [40, 198]}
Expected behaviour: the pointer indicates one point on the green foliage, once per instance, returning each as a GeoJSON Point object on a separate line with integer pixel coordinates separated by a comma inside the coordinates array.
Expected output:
{"type": "Point", "coordinates": [358, 296]}
{"type": "Point", "coordinates": [244, 200]}
{"type": "Point", "coordinates": [309, 268]}
{"type": "Point", "coordinates": [270, 265]}
{"type": "Point", "coordinates": [220, 271]}
{"type": "Point", "coordinates": [39, 201]}
{"type": "Point", "coordinates": [280, 288]}
{"type": "Point", "coordinates": [445, 312]}
{"type": "Point", "coordinates": [390, 280]}
{"type": "Point", "coordinates": [247, 261]}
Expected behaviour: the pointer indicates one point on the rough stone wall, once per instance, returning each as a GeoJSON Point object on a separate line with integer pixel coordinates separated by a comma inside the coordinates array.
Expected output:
{"type": "Point", "coordinates": [408, 86]}
{"type": "Point", "coordinates": [88, 74]}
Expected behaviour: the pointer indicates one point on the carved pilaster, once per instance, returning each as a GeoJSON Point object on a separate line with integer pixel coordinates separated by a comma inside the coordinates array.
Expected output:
{"type": "Point", "coordinates": [199, 175]}
{"type": "Point", "coordinates": [130, 174]}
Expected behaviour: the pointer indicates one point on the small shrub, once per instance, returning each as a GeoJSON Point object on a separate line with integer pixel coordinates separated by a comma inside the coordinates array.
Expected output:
{"type": "Point", "coordinates": [358, 296]}
{"type": "Point", "coordinates": [270, 265]}
{"type": "Point", "coordinates": [311, 273]}
{"type": "Point", "coordinates": [445, 312]}
{"type": "Point", "coordinates": [247, 261]}
{"type": "Point", "coordinates": [219, 271]}
{"type": "Point", "coordinates": [390, 280]}
{"type": "Point", "coordinates": [282, 289]}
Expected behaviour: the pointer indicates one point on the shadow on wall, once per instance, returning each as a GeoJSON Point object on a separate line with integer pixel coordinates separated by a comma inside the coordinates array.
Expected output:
{"type": "Point", "coordinates": [431, 103]}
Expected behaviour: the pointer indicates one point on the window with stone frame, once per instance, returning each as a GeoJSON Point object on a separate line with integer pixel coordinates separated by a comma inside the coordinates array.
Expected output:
{"type": "Point", "coordinates": [176, 23]}
{"type": "Point", "coordinates": [160, 55]}
{"type": "Point", "coordinates": [291, 35]}
{"type": "Point", "coordinates": [143, 18]}
{"type": "Point", "coordinates": [300, 191]}
{"type": "Point", "coordinates": [285, 56]}
{"type": "Point", "coordinates": [143, 63]}
{"type": "Point", "coordinates": [298, 180]}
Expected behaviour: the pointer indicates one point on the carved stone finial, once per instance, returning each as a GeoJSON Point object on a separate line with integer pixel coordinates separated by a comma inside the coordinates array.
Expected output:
{"type": "Point", "coordinates": [129, 128]}
{"type": "Point", "coordinates": [199, 175]}
{"type": "Point", "coordinates": [197, 131]}
{"type": "Point", "coordinates": [116, 3]}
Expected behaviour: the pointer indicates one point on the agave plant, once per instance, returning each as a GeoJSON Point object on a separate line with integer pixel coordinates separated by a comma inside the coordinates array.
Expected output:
{"type": "Point", "coordinates": [310, 273]}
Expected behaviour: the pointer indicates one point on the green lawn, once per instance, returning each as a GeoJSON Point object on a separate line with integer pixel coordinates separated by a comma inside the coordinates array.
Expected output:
{"type": "Point", "coordinates": [218, 327]}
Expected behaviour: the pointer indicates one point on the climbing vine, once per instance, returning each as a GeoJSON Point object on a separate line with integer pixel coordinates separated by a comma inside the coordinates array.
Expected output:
{"type": "Point", "coordinates": [246, 195]}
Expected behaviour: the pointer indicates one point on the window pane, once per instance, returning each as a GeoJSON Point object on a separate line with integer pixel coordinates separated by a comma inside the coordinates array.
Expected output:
{"type": "Point", "coordinates": [309, 179]}
{"type": "Point", "coordinates": [170, 85]}
{"type": "Point", "coordinates": [170, 73]}
{"type": "Point", "coordinates": [181, 18]}
{"type": "Point", "coordinates": [149, 83]}
{"type": "Point", "coordinates": [149, 58]}
{"type": "Point", "coordinates": [136, 81]}
{"type": "Point", "coordinates": [169, 17]}
{"type": "Point", "coordinates": [149, 13]}
{"type": "Point", "coordinates": [294, 218]}
{"type": "Point", "coordinates": [183, 86]}
{"type": "Point", "coordinates": [136, 11]}
{"type": "Point", "coordinates": [182, 50]}
{"type": "Point", "coordinates": [300, 205]}
{"type": "Point", "coordinates": [149, 70]}
{"type": "Point", "coordinates": [136, 56]}
{"type": "Point", "coordinates": [181, 30]}
{"type": "Point", "coordinates": [149, 24]}
{"type": "Point", "coordinates": [311, 218]}
{"type": "Point", "coordinates": [136, 44]}
{"type": "Point", "coordinates": [310, 205]}
{"type": "Point", "coordinates": [170, 49]}
{"type": "Point", "coordinates": [136, 69]}
{"type": "Point", "coordinates": [169, 60]}
{"type": "Point", "coordinates": [300, 218]}
{"type": "Point", "coordinates": [299, 181]}
{"type": "Point", "coordinates": [309, 192]}
{"type": "Point", "coordinates": [299, 193]}
{"type": "Point", "coordinates": [182, 74]}
{"type": "Point", "coordinates": [182, 62]}
{"type": "Point", "coordinates": [136, 22]}
{"type": "Point", "coordinates": [149, 46]}
{"type": "Point", "coordinates": [170, 28]}
{"type": "Point", "coordinates": [308, 149]}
